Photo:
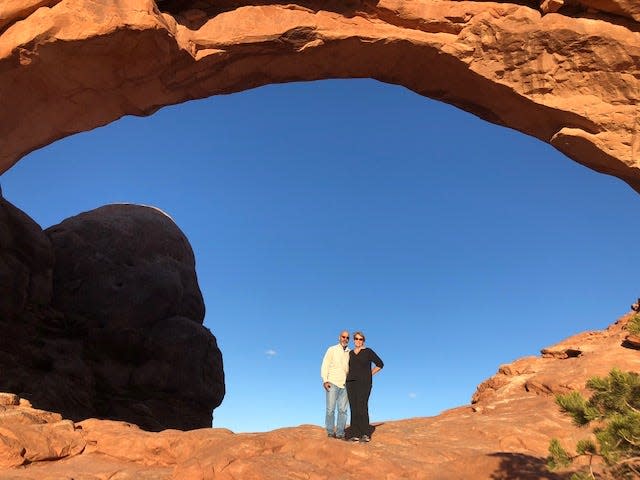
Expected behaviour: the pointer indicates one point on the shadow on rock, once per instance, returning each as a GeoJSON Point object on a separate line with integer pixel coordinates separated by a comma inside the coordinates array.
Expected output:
{"type": "Point", "coordinates": [347, 431]}
{"type": "Point", "coordinates": [518, 466]}
{"type": "Point", "coordinates": [194, 14]}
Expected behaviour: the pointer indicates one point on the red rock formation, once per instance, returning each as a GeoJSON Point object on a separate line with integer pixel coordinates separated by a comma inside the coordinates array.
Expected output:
{"type": "Point", "coordinates": [504, 434]}
{"type": "Point", "coordinates": [112, 327]}
{"type": "Point", "coordinates": [26, 262]}
{"type": "Point", "coordinates": [566, 72]}
{"type": "Point", "coordinates": [569, 78]}
{"type": "Point", "coordinates": [127, 272]}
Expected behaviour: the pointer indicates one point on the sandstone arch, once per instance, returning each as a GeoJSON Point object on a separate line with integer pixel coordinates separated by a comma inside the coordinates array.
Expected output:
{"type": "Point", "coordinates": [570, 78]}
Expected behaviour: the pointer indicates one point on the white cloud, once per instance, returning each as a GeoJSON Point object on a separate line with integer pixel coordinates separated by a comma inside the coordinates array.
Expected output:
{"type": "Point", "coordinates": [270, 353]}
{"type": "Point", "coordinates": [412, 395]}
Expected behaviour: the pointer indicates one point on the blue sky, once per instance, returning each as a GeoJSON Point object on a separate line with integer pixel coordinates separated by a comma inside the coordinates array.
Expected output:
{"type": "Point", "coordinates": [454, 244]}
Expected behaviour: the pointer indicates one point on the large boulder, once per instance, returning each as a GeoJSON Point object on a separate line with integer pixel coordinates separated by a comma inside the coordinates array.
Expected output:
{"type": "Point", "coordinates": [40, 357]}
{"type": "Point", "coordinates": [124, 267]}
{"type": "Point", "coordinates": [26, 262]}
{"type": "Point", "coordinates": [101, 316]}
{"type": "Point", "coordinates": [126, 273]}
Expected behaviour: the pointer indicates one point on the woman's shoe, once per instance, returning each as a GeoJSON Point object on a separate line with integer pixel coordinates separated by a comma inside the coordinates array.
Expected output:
{"type": "Point", "coordinates": [365, 438]}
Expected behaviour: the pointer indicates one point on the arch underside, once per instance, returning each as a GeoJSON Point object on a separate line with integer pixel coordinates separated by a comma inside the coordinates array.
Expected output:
{"type": "Point", "coordinates": [571, 78]}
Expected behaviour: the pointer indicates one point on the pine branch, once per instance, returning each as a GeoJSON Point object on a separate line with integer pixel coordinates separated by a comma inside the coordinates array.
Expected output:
{"type": "Point", "coordinates": [628, 440]}
{"type": "Point", "coordinates": [635, 410]}
{"type": "Point", "coordinates": [613, 410]}
{"type": "Point", "coordinates": [630, 460]}
{"type": "Point", "coordinates": [591, 467]}
{"type": "Point", "coordinates": [634, 470]}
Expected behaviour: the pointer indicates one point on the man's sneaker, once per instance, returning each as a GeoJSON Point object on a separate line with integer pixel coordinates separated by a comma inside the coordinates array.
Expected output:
{"type": "Point", "coordinates": [340, 437]}
{"type": "Point", "coordinates": [355, 439]}
{"type": "Point", "coordinates": [331, 435]}
{"type": "Point", "coordinates": [365, 438]}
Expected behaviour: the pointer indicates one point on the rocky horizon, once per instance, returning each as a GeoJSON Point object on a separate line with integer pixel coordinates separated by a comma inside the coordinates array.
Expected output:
{"type": "Point", "coordinates": [503, 434]}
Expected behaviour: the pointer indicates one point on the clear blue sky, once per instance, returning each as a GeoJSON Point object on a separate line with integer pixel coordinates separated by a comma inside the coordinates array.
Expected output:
{"type": "Point", "coordinates": [454, 244]}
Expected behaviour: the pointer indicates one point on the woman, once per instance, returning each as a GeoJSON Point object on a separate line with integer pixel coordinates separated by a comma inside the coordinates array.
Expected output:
{"type": "Point", "coordinates": [359, 381]}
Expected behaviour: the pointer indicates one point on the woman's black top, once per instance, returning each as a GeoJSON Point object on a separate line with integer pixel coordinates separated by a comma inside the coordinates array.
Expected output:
{"type": "Point", "coordinates": [360, 365]}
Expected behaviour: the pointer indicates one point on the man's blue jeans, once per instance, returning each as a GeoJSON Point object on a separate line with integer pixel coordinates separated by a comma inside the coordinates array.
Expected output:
{"type": "Point", "coordinates": [336, 397]}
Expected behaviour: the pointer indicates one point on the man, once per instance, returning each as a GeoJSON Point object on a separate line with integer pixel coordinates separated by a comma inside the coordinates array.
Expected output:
{"type": "Point", "coordinates": [333, 371]}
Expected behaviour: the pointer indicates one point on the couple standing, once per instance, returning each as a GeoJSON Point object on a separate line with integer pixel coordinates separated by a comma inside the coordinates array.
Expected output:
{"type": "Point", "coordinates": [347, 378]}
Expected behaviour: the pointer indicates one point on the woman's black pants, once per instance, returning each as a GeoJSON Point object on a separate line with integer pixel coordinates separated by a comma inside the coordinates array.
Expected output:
{"type": "Point", "coordinates": [358, 392]}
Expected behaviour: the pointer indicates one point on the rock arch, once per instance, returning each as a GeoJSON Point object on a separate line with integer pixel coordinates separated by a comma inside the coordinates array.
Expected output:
{"type": "Point", "coordinates": [564, 71]}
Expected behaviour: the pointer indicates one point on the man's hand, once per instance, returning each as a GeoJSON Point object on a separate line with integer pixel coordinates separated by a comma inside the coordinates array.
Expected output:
{"type": "Point", "coordinates": [326, 386]}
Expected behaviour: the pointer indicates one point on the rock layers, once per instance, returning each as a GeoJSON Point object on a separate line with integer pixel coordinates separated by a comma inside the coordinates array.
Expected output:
{"type": "Point", "coordinates": [101, 316]}
{"type": "Point", "coordinates": [566, 72]}
{"type": "Point", "coordinates": [503, 434]}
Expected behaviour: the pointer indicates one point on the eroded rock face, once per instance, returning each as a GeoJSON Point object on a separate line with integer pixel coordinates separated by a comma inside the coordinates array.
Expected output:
{"type": "Point", "coordinates": [101, 316]}
{"type": "Point", "coordinates": [563, 367]}
{"type": "Point", "coordinates": [566, 72]}
{"type": "Point", "coordinates": [31, 360]}
{"type": "Point", "coordinates": [126, 266]}
{"type": "Point", "coordinates": [26, 262]}
{"type": "Point", "coordinates": [127, 273]}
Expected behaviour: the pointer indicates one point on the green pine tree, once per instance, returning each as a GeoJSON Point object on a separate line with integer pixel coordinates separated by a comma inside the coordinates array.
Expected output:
{"type": "Point", "coordinates": [614, 408]}
{"type": "Point", "coordinates": [634, 324]}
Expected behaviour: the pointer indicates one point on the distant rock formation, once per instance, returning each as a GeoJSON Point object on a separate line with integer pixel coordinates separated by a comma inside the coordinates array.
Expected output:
{"type": "Point", "coordinates": [101, 316]}
{"type": "Point", "coordinates": [565, 72]}
{"type": "Point", "coordinates": [504, 434]}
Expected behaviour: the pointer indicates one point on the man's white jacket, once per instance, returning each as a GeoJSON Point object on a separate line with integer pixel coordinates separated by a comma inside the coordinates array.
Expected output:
{"type": "Point", "coordinates": [335, 365]}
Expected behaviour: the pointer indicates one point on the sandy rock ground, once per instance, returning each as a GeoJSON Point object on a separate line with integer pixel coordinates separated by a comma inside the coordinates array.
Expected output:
{"type": "Point", "coordinates": [503, 434]}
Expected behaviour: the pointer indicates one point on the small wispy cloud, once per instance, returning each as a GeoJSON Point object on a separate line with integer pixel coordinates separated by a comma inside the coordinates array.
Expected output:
{"type": "Point", "coordinates": [270, 353]}
{"type": "Point", "coordinates": [413, 394]}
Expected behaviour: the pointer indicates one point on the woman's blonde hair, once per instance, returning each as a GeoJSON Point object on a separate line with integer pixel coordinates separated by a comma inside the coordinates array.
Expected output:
{"type": "Point", "coordinates": [359, 333]}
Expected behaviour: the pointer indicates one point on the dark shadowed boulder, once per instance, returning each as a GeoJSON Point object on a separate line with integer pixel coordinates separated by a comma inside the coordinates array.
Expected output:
{"type": "Point", "coordinates": [101, 316]}
{"type": "Point", "coordinates": [26, 262]}
{"type": "Point", "coordinates": [124, 266]}
{"type": "Point", "coordinates": [40, 357]}
{"type": "Point", "coordinates": [128, 272]}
